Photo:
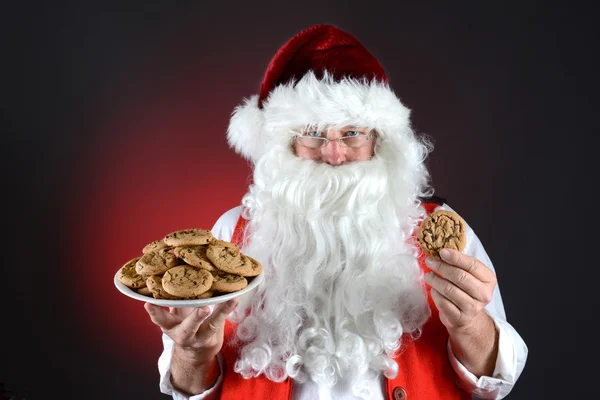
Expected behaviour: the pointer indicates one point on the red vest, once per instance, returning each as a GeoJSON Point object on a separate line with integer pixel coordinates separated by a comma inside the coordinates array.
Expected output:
{"type": "Point", "coordinates": [424, 370]}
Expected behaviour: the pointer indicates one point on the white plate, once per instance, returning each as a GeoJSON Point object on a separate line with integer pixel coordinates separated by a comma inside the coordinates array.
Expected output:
{"type": "Point", "coordinates": [187, 303]}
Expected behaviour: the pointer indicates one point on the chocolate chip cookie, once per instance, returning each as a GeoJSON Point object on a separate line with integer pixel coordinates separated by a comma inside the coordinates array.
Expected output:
{"type": "Point", "coordinates": [189, 237]}
{"type": "Point", "coordinates": [195, 256]}
{"type": "Point", "coordinates": [442, 229]}
{"type": "Point", "coordinates": [129, 277]}
{"type": "Point", "coordinates": [206, 295]}
{"type": "Point", "coordinates": [187, 281]}
{"type": "Point", "coordinates": [225, 282]}
{"type": "Point", "coordinates": [157, 262]}
{"type": "Point", "coordinates": [145, 291]}
{"type": "Point", "coordinates": [249, 266]}
{"type": "Point", "coordinates": [227, 257]}
{"type": "Point", "coordinates": [153, 246]}
{"type": "Point", "coordinates": [155, 285]}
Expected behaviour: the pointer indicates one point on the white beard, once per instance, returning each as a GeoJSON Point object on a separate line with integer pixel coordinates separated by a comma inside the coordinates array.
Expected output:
{"type": "Point", "coordinates": [342, 282]}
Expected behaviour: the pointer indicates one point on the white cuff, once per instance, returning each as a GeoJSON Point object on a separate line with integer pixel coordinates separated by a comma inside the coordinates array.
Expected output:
{"type": "Point", "coordinates": [164, 368]}
{"type": "Point", "coordinates": [505, 372]}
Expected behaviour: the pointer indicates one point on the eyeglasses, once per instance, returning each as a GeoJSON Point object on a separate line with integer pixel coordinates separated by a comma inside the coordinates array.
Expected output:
{"type": "Point", "coordinates": [314, 142]}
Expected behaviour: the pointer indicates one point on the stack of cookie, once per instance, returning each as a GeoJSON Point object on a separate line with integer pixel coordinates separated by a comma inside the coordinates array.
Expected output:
{"type": "Point", "coordinates": [189, 264]}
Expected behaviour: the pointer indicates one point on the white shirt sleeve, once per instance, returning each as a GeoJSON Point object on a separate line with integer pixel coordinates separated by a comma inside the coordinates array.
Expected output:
{"type": "Point", "coordinates": [164, 368]}
{"type": "Point", "coordinates": [222, 230]}
{"type": "Point", "coordinates": [512, 351]}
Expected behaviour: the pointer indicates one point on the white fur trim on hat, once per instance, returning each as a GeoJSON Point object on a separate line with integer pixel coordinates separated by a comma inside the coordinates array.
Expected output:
{"type": "Point", "coordinates": [244, 134]}
{"type": "Point", "coordinates": [315, 102]}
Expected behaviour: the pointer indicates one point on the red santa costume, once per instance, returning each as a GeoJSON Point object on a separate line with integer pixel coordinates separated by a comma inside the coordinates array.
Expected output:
{"type": "Point", "coordinates": [342, 312]}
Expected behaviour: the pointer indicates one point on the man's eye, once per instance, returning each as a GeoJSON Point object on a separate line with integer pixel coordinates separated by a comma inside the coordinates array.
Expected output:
{"type": "Point", "coordinates": [314, 134]}
{"type": "Point", "coordinates": [352, 133]}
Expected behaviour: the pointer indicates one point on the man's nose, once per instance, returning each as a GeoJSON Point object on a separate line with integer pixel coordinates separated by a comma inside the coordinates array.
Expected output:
{"type": "Point", "coordinates": [333, 153]}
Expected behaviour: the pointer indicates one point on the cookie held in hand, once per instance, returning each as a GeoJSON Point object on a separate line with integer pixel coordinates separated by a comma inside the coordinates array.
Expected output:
{"type": "Point", "coordinates": [442, 229]}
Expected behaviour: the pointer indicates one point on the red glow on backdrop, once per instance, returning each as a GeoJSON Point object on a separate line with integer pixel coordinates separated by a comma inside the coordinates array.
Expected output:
{"type": "Point", "coordinates": [158, 170]}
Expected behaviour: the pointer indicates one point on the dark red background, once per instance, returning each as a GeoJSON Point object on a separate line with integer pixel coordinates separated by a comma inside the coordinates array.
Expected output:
{"type": "Point", "coordinates": [114, 120]}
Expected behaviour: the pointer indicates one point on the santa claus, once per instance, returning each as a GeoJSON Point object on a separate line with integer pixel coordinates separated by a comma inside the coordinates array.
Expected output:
{"type": "Point", "coordinates": [349, 307]}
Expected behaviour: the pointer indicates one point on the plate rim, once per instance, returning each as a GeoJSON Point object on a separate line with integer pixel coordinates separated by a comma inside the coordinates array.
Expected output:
{"type": "Point", "coordinates": [186, 303]}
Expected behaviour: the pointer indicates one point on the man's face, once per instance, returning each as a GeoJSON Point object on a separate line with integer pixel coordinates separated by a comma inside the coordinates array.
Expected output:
{"type": "Point", "coordinates": [357, 144]}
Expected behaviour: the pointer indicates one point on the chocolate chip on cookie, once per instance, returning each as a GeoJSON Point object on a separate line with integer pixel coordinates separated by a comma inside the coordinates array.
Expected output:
{"type": "Point", "coordinates": [442, 229]}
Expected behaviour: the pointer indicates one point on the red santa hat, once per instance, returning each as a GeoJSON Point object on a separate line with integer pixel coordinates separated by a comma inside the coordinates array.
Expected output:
{"type": "Point", "coordinates": [321, 76]}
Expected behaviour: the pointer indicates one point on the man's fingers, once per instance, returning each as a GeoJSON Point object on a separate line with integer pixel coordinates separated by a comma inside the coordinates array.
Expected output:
{"type": "Point", "coordinates": [448, 309]}
{"type": "Point", "coordinates": [181, 312]}
{"type": "Point", "coordinates": [161, 317]}
{"type": "Point", "coordinates": [189, 326]}
{"type": "Point", "coordinates": [469, 264]}
{"type": "Point", "coordinates": [461, 300]}
{"type": "Point", "coordinates": [461, 278]}
{"type": "Point", "coordinates": [217, 319]}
